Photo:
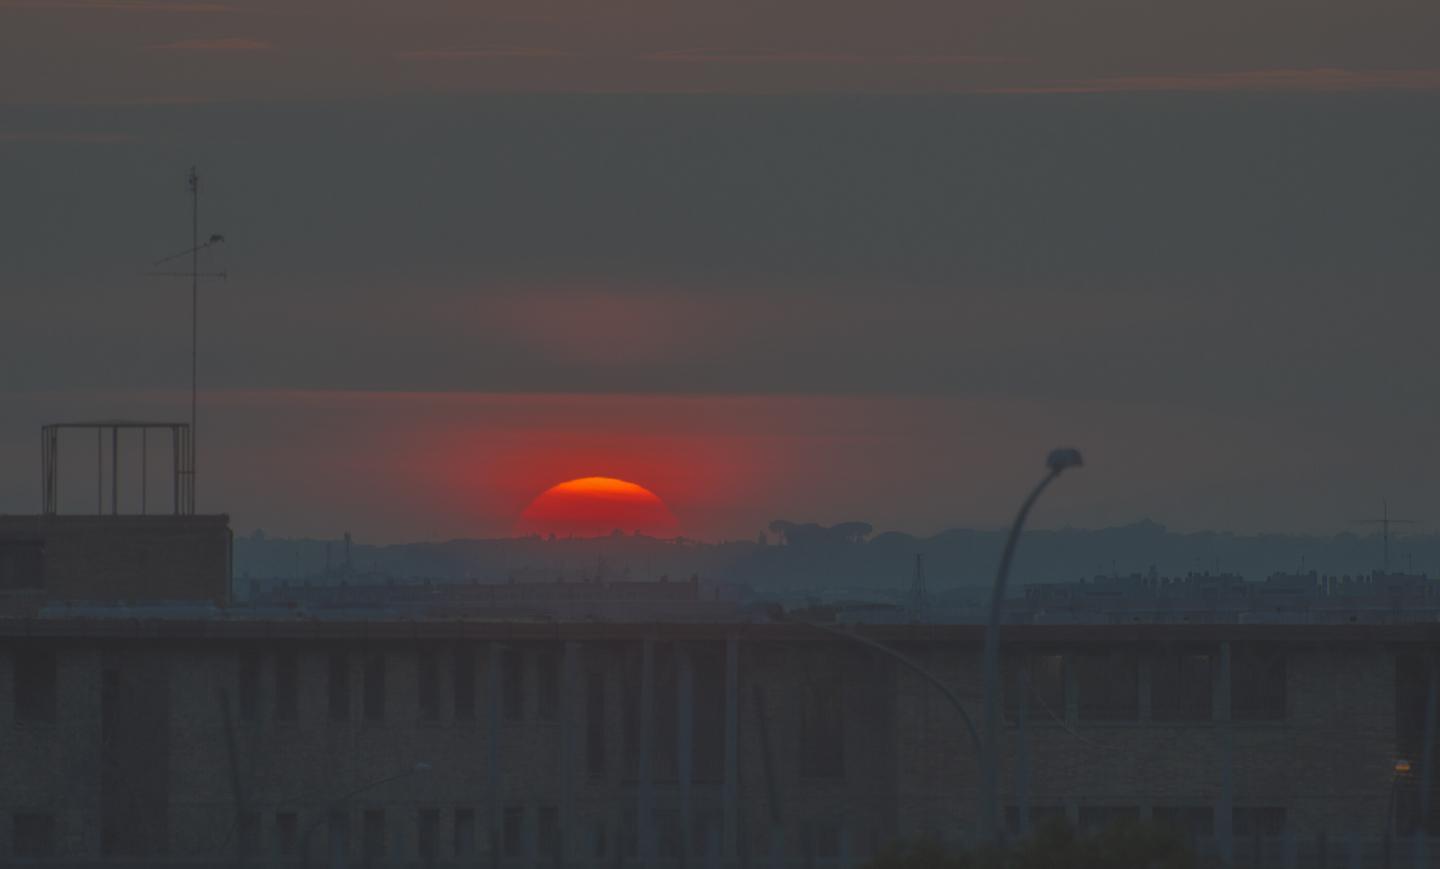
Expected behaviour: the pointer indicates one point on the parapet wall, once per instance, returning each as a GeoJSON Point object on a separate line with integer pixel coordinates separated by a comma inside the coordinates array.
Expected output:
{"type": "Point", "coordinates": [113, 558]}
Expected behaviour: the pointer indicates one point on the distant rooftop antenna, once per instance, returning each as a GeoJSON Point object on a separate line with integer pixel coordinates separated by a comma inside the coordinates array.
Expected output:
{"type": "Point", "coordinates": [194, 274]}
{"type": "Point", "coordinates": [1385, 522]}
{"type": "Point", "coordinates": [919, 597]}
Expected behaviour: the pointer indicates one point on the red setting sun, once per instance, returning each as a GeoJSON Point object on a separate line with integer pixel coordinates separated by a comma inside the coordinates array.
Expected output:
{"type": "Point", "coordinates": [594, 507]}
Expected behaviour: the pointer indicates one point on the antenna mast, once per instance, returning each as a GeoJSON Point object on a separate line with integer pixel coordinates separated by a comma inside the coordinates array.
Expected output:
{"type": "Point", "coordinates": [194, 274]}
{"type": "Point", "coordinates": [193, 181]}
{"type": "Point", "coordinates": [1385, 522]}
{"type": "Point", "coordinates": [919, 597]}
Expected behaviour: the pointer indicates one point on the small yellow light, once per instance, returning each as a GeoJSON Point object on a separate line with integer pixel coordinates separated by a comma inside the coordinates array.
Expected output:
{"type": "Point", "coordinates": [1402, 767]}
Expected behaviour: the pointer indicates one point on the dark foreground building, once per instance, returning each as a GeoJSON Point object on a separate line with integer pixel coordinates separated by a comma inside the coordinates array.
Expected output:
{"type": "Point", "coordinates": [181, 731]}
{"type": "Point", "coordinates": [474, 743]}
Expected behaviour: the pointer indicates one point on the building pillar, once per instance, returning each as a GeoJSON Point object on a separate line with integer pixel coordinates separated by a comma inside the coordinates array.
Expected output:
{"type": "Point", "coordinates": [1225, 810]}
{"type": "Point", "coordinates": [493, 809]}
{"type": "Point", "coordinates": [731, 791]}
{"type": "Point", "coordinates": [777, 846]}
{"type": "Point", "coordinates": [531, 826]}
{"type": "Point", "coordinates": [1022, 751]}
{"type": "Point", "coordinates": [1072, 691]}
{"type": "Point", "coordinates": [1145, 671]}
{"type": "Point", "coordinates": [645, 809]}
{"type": "Point", "coordinates": [1427, 762]}
{"type": "Point", "coordinates": [571, 710]}
{"type": "Point", "coordinates": [685, 730]}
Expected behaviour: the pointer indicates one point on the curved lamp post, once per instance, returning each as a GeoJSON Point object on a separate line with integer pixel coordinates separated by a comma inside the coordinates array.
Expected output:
{"type": "Point", "coordinates": [1401, 771]}
{"type": "Point", "coordinates": [910, 664]}
{"type": "Point", "coordinates": [310, 830]}
{"type": "Point", "coordinates": [1057, 463]}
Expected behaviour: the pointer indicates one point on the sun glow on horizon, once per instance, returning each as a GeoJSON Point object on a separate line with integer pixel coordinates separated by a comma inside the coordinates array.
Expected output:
{"type": "Point", "coordinates": [595, 507]}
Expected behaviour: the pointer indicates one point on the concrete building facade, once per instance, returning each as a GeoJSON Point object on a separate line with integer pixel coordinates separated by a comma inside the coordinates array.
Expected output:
{"type": "Point", "coordinates": [527, 744]}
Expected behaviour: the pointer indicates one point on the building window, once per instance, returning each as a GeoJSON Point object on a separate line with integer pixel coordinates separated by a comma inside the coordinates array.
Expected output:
{"type": "Point", "coordinates": [338, 824]}
{"type": "Point", "coordinates": [512, 685]}
{"type": "Point", "coordinates": [1188, 821]}
{"type": "Point", "coordinates": [1040, 818]}
{"type": "Point", "coordinates": [668, 836]}
{"type": "Point", "coordinates": [822, 728]}
{"type": "Point", "coordinates": [464, 676]}
{"type": "Point", "coordinates": [428, 686]}
{"type": "Point", "coordinates": [821, 839]}
{"type": "Point", "coordinates": [287, 686]}
{"type": "Point", "coordinates": [1046, 700]}
{"type": "Point", "coordinates": [706, 828]}
{"type": "Point", "coordinates": [595, 726]}
{"type": "Point", "coordinates": [35, 689]}
{"type": "Point", "coordinates": [548, 687]}
{"type": "Point", "coordinates": [629, 836]}
{"type": "Point", "coordinates": [1107, 685]}
{"type": "Point", "coordinates": [22, 565]}
{"type": "Point", "coordinates": [373, 831]}
{"type": "Point", "coordinates": [1252, 821]}
{"type": "Point", "coordinates": [708, 720]}
{"type": "Point", "coordinates": [34, 834]}
{"type": "Point", "coordinates": [1097, 819]}
{"type": "Point", "coordinates": [249, 834]}
{"type": "Point", "coordinates": [512, 834]}
{"type": "Point", "coordinates": [631, 674]}
{"type": "Point", "coordinates": [375, 687]}
{"type": "Point", "coordinates": [549, 832]}
{"type": "Point", "coordinates": [1182, 687]}
{"type": "Point", "coordinates": [601, 839]}
{"type": "Point", "coordinates": [249, 687]}
{"type": "Point", "coordinates": [664, 716]}
{"type": "Point", "coordinates": [287, 834]}
{"type": "Point", "coordinates": [465, 842]}
{"type": "Point", "coordinates": [339, 686]}
{"type": "Point", "coordinates": [427, 835]}
{"type": "Point", "coordinates": [1257, 684]}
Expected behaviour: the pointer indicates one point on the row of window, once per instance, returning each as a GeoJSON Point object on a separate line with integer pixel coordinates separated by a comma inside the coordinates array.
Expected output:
{"type": "Point", "coordinates": [1106, 685]}
{"type": "Point", "coordinates": [378, 837]}
{"type": "Point", "coordinates": [374, 667]}
{"type": "Point", "coordinates": [380, 834]}
{"type": "Point", "coordinates": [33, 833]}
{"type": "Point", "coordinates": [1246, 821]}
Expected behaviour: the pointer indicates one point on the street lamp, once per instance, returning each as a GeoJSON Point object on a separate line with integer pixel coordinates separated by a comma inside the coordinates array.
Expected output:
{"type": "Point", "coordinates": [1401, 771]}
{"type": "Point", "coordinates": [1059, 461]}
{"type": "Point", "coordinates": [422, 766]}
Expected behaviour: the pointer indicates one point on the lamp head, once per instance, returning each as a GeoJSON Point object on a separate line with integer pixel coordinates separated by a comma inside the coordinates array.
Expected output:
{"type": "Point", "coordinates": [1063, 459]}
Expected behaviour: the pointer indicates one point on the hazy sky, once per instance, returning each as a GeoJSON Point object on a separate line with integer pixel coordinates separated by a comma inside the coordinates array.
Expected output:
{"type": "Point", "coordinates": [817, 260]}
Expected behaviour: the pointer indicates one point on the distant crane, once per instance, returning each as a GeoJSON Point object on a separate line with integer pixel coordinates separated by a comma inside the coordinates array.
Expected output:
{"type": "Point", "coordinates": [919, 597]}
{"type": "Point", "coordinates": [1385, 522]}
{"type": "Point", "coordinates": [194, 274]}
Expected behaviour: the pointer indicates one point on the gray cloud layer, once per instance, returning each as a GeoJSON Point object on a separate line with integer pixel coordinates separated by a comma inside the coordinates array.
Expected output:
{"type": "Point", "coordinates": [1240, 288]}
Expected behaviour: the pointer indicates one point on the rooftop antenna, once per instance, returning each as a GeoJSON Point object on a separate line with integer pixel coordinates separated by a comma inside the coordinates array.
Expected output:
{"type": "Point", "coordinates": [1385, 522]}
{"type": "Point", "coordinates": [919, 597]}
{"type": "Point", "coordinates": [194, 274]}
